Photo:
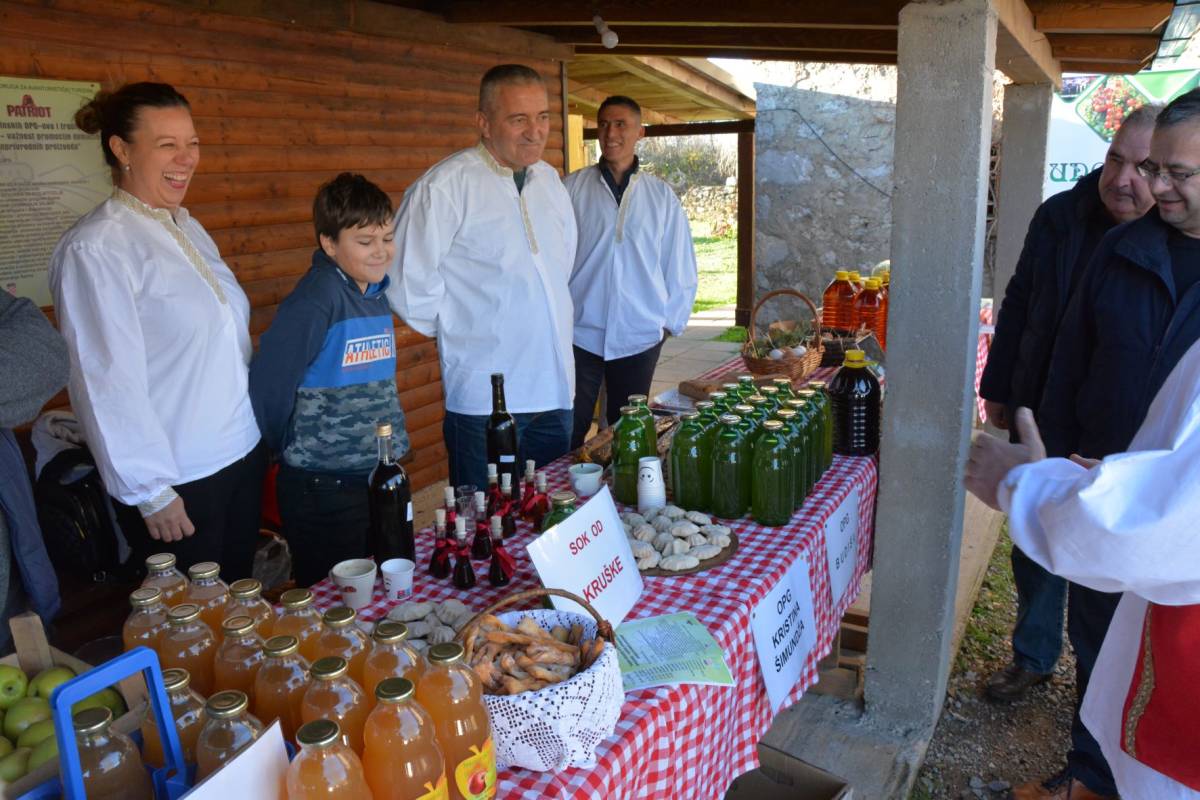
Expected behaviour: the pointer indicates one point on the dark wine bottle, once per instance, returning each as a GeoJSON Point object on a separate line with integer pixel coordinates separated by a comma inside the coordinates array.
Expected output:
{"type": "Point", "coordinates": [502, 436]}
{"type": "Point", "coordinates": [390, 503]}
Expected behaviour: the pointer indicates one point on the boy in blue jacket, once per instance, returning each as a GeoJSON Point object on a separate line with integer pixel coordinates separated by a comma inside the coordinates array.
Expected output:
{"type": "Point", "coordinates": [325, 374]}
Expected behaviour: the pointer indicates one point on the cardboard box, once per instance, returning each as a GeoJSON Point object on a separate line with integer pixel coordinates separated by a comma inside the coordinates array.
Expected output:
{"type": "Point", "coordinates": [34, 654]}
{"type": "Point", "coordinates": [784, 777]}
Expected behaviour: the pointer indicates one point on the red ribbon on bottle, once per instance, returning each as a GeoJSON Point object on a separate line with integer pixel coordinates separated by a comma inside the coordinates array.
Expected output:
{"type": "Point", "coordinates": [464, 551]}
{"type": "Point", "coordinates": [441, 552]}
{"type": "Point", "coordinates": [508, 564]}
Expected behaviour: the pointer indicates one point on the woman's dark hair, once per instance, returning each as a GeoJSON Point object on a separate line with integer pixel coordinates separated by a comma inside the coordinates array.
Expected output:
{"type": "Point", "coordinates": [116, 113]}
{"type": "Point", "coordinates": [349, 201]}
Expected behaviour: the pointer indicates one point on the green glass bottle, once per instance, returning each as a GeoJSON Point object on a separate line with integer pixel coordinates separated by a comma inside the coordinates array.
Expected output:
{"type": "Point", "coordinates": [720, 401]}
{"type": "Point", "coordinates": [762, 409]}
{"type": "Point", "coordinates": [772, 395]}
{"type": "Point", "coordinates": [746, 424]}
{"type": "Point", "coordinates": [730, 470]}
{"type": "Point", "coordinates": [709, 417]}
{"type": "Point", "coordinates": [747, 388]}
{"type": "Point", "coordinates": [628, 443]}
{"type": "Point", "coordinates": [774, 487]}
{"type": "Point", "coordinates": [810, 415]}
{"type": "Point", "coordinates": [786, 391]}
{"type": "Point", "coordinates": [562, 505]}
{"type": "Point", "coordinates": [735, 393]}
{"type": "Point", "coordinates": [691, 464]}
{"type": "Point", "coordinates": [825, 402]}
{"type": "Point", "coordinates": [793, 426]}
{"type": "Point", "coordinates": [650, 446]}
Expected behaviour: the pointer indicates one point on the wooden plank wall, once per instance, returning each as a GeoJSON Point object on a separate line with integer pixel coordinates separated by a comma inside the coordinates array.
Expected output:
{"type": "Point", "coordinates": [285, 95]}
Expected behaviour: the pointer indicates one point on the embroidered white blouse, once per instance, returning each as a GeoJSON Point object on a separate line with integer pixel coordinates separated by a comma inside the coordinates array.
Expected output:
{"type": "Point", "coordinates": [158, 331]}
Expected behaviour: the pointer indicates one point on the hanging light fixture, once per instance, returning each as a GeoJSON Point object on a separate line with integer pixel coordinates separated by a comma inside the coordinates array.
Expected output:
{"type": "Point", "coordinates": [608, 37]}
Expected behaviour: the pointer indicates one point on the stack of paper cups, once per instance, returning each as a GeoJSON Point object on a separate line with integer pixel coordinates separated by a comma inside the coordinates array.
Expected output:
{"type": "Point", "coordinates": [651, 491]}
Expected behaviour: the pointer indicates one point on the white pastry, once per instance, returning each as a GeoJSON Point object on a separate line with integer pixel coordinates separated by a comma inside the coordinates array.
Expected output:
{"type": "Point", "coordinates": [441, 634]}
{"type": "Point", "coordinates": [419, 629]}
{"type": "Point", "coordinates": [697, 539]}
{"type": "Point", "coordinates": [698, 518]}
{"type": "Point", "coordinates": [453, 612]}
{"type": "Point", "coordinates": [662, 541]}
{"type": "Point", "coordinates": [641, 549]}
{"type": "Point", "coordinates": [644, 532]}
{"type": "Point", "coordinates": [649, 562]}
{"type": "Point", "coordinates": [677, 547]}
{"type": "Point", "coordinates": [673, 512]}
{"type": "Point", "coordinates": [410, 610]}
{"type": "Point", "coordinates": [720, 539]}
{"type": "Point", "coordinates": [679, 562]}
{"type": "Point", "coordinates": [683, 529]}
{"type": "Point", "coordinates": [705, 551]}
{"type": "Point", "coordinates": [663, 523]}
{"type": "Point", "coordinates": [633, 518]}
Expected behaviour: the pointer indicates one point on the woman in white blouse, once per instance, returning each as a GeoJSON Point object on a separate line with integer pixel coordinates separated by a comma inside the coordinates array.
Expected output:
{"type": "Point", "coordinates": [158, 331]}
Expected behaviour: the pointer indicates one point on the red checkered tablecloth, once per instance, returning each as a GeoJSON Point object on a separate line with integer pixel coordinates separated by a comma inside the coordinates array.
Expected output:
{"type": "Point", "coordinates": [981, 356]}
{"type": "Point", "coordinates": [698, 737]}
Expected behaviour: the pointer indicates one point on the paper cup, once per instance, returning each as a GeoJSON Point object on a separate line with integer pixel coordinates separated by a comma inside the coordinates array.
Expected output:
{"type": "Point", "coordinates": [398, 578]}
{"type": "Point", "coordinates": [651, 491]}
{"type": "Point", "coordinates": [586, 478]}
{"type": "Point", "coordinates": [355, 579]}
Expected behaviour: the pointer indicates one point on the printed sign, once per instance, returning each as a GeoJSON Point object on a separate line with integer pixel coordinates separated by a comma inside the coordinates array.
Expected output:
{"type": "Point", "coordinates": [841, 544]}
{"type": "Point", "coordinates": [587, 554]}
{"type": "Point", "coordinates": [785, 632]}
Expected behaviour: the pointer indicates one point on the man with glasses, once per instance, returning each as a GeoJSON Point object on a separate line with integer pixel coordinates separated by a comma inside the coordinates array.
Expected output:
{"type": "Point", "coordinates": [1062, 236]}
{"type": "Point", "coordinates": [1134, 314]}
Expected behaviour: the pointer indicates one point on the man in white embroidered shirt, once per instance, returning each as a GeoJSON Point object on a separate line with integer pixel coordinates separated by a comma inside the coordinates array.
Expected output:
{"type": "Point", "coordinates": [485, 241]}
{"type": "Point", "coordinates": [635, 270]}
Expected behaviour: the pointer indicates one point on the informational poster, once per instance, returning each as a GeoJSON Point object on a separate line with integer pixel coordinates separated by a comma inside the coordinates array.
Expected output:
{"type": "Point", "coordinates": [51, 173]}
{"type": "Point", "coordinates": [841, 544]}
{"type": "Point", "coordinates": [784, 625]}
{"type": "Point", "coordinates": [669, 650]}
{"type": "Point", "coordinates": [1090, 108]}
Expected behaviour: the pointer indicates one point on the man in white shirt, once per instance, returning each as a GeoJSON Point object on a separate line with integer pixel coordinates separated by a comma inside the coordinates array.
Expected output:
{"type": "Point", "coordinates": [635, 270]}
{"type": "Point", "coordinates": [485, 241]}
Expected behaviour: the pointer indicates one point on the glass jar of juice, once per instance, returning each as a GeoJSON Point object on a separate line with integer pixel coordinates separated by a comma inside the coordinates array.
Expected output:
{"type": "Point", "coordinates": [730, 470]}
{"type": "Point", "coordinates": [189, 643]}
{"type": "Point", "coordinates": [245, 597]}
{"type": "Point", "coordinates": [146, 623]}
{"type": "Point", "coordinates": [746, 424]}
{"type": "Point", "coordinates": [810, 421]}
{"type": "Point", "coordinates": [733, 393]}
{"type": "Point", "coordinates": [708, 417]}
{"type": "Point", "coordinates": [280, 683]}
{"type": "Point", "coordinates": [747, 388]}
{"type": "Point", "coordinates": [691, 464]}
{"type": "Point", "coordinates": [793, 427]}
{"type": "Point", "coordinates": [342, 638]}
{"type": "Point", "coordinates": [162, 574]}
{"type": "Point", "coordinates": [109, 761]}
{"type": "Point", "coordinates": [774, 487]}
{"type": "Point", "coordinates": [826, 405]}
{"type": "Point", "coordinates": [761, 409]}
{"type": "Point", "coordinates": [720, 401]}
{"type": "Point", "coordinates": [649, 432]}
{"type": "Point", "coordinates": [453, 695]}
{"type": "Point", "coordinates": [325, 769]}
{"type": "Point", "coordinates": [332, 694]}
{"type": "Point", "coordinates": [239, 656]}
{"type": "Point", "coordinates": [774, 401]}
{"type": "Point", "coordinates": [401, 756]}
{"type": "Point", "coordinates": [187, 708]}
{"type": "Point", "coordinates": [208, 592]}
{"type": "Point", "coordinates": [299, 618]}
{"type": "Point", "coordinates": [628, 443]}
{"type": "Point", "coordinates": [390, 657]}
{"type": "Point", "coordinates": [785, 389]}
{"type": "Point", "coordinates": [562, 505]}
{"type": "Point", "coordinates": [228, 729]}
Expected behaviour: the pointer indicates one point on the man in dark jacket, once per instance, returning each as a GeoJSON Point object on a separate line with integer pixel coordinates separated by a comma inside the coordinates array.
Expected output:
{"type": "Point", "coordinates": [1134, 314]}
{"type": "Point", "coordinates": [1061, 239]}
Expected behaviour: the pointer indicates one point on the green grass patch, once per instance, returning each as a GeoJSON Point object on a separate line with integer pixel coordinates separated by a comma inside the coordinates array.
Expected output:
{"type": "Point", "coordinates": [992, 618]}
{"type": "Point", "coordinates": [716, 263]}
{"type": "Point", "coordinates": [735, 334]}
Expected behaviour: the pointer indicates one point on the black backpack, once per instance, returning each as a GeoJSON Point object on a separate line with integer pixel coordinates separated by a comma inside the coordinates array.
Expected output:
{"type": "Point", "coordinates": [74, 513]}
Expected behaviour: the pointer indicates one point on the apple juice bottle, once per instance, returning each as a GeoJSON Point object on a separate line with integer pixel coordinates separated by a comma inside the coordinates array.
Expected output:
{"type": "Point", "coordinates": [189, 643]}
{"type": "Point", "coordinates": [209, 593]}
{"type": "Point", "coordinates": [334, 695]}
{"type": "Point", "coordinates": [148, 620]}
{"type": "Point", "coordinates": [228, 729]}
{"type": "Point", "coordinates": [390, 657]}
{"type": "Point", "coordinates": [109, 761]}
{"type": "Point", "coordinates": [238, 656]}
{"type": "Point", "coordinates": [187, 708]}
{"type": "Point", "coordinates": [453, 695]}
{"type": "Point", "coordinates": [280, 683]}
{"type": "Point", "coordinates": [245, 597]}
{"type": "Point", "coordinates": [161, 573]}
{"type": "Point", "coordinates": [401, 754]}
{"type": "Point", "coordinates": [342, 638]}
{"type": "Point", "coordinates": [325, 769]}
{"type": "Point", "coordinates": [299, 618]}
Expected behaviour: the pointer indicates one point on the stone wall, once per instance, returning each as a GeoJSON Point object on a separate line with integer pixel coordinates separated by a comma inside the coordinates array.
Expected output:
{"type": "Point", "coordinates": [712, 209]}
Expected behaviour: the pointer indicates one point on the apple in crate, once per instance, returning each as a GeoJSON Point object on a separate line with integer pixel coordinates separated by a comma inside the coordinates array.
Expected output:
{"type": "Point", "coordinates": [24, 713]}
{"type": "Point", "coordinates": [13, 685]}
{"type": "Point", "coordinates": [15, 764]}
{"type": "Point", "coordinates": [48, 680]}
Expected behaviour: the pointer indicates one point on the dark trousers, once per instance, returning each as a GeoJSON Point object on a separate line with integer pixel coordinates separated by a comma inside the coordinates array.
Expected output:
{"type": "Point", "coordinates": [1088, 616]}
{"type": "Point", "coordinates": [326, 517]}
{"type": "Point", "coordinates": [622, 377]}
{"type": "Point", "coordinates": [225, 508]}
{"type": "Point", "coordinates": [541, 435]}
{"type": "Point", "coordinates": [1037, 637]}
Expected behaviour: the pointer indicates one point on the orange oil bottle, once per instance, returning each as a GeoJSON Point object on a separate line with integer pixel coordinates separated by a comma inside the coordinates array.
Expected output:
{"type": "Point", "coordinates": [836, 300]}
{"type": "Point", "coordinates": [868, 310]}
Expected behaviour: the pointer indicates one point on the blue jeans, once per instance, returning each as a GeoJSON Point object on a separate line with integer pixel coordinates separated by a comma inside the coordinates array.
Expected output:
{"type": "Point", "coordinates": [541, 435]}
{"type": "Point", "coordinates": [1037, 636]}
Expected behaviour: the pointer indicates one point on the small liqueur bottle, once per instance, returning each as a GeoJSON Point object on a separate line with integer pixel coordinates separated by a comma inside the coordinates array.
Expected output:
{"type": "Point", "coordinates": [481, 547]}
{"type": "Point", "coordinates": [540, 502]}
{"type": "Point", "coordinates": [501, 570]}
{"type": "Point", "coordinates": [464, 574]}
{"type": "Point", "coordinates": [451, 507]}
{"type": "Point", "coordinates": [507, 508]}
{"type": "Point", "coordinates": [493, 489]}
{"type": "Point", "coordinates": [527, 497]}
{"type": "Point", "coordinates": [439, 562]}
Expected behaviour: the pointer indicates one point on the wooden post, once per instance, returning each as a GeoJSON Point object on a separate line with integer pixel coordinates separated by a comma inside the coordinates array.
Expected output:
{"type": "Point", "coordinates": [745, 233]}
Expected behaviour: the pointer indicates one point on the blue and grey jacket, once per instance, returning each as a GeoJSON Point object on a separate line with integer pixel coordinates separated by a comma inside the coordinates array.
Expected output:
{"type": "Point", "coordinates": [325, 373]}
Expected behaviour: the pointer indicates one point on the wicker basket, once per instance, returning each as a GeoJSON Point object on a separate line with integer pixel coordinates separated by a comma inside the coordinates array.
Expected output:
{"type": "Point", "coordinates": [790, 366]}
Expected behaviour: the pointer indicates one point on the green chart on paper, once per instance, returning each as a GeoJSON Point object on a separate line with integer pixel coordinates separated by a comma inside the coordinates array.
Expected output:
{"type": "Point", "coordinates": [668, 650]}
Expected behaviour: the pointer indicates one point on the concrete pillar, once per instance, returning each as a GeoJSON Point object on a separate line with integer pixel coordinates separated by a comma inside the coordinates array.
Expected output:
{"type": "Point", "coordinates": [1023, 137]}
{"type": "Point", "coordinates": [945, 60]}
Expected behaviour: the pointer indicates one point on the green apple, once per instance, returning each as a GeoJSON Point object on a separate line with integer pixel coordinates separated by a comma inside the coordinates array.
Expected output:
{"type": "Point", "coordinates": [46, 681]}
{"type": "Point", "coordinates": [24, 713]}
{"type": "Point", "coordinates": [6, 747]}
{"type": "Point", "coordinates": [13, 684]}
{"type": "Point", "coordinates": [15, 764]}
{"type": "Point", "coordinates": [35, 733]}
{"type": "Point", "coordinates": [105, 698]}
{"type": "Point", "coordinates": [46, 750]}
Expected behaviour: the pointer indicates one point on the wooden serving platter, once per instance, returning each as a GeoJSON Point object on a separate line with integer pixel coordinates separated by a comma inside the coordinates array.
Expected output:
{"type": "Point", "coordinates": [708, 563]}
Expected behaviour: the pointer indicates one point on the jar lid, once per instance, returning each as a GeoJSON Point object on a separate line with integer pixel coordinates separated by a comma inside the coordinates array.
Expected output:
{"type": "Point", "coordinates": [745, 379]}
{"type": "Point", "coordinates": [705, 405]}
{"type": "Point", "coordinates": [445, 653]}
{"type": "Point", "coordinates": [318, 733]}
{"type": "Point", "coordinates": [637, 399]}
{"type": "Point", "coordinates": [563, 498]}
{"type": "Point", "coordinates": [245, 588]}
{"type": "Point", "coordinates": [227, 704]}
{"type": "Point", "coordinates": [717, 395]}
{"type": "Point", "coordinates": [806, 394]}
{"type": "Point", "coordinates": [339, 616]}
{"type": "Point", "coordinates": [394, 690]}
{"type": "Point", "coordinates": [756, 400]}
{"type": "Point", "coordinates": [628, 411]}
{"type": "Point", "coordinates": [688, 416]}
{"type": "Point", "coordinates": [160, 561]}
{"type": "Point", "coordinates": [176, 678]}
{"type": "Point", "coordinates": [205, 569]}
{"type": "Point", "coordinates": [768, 391]}
{"type": "Point", "coordinates": [92, 720]}
{"type": "Point", "coordinates": [731, 387]}
{"type": "Point", "coordinates": [786, 413]}
{"type": "Point", "coordinates": [781, 382]}
{"type": "Point", "coordinates": [730, 419]}
{"type": "Point", "coordinates": [383, 429]}
{"type": "Point", "coordinates": [145, 596]}
{"type": "Point", "coordinates": [184, 612]}
{"type": "Point", "coordinates": [237, 626]}
{"type": "Point", "coordinates": [743, 409]}
{"type": "Point", "coordinates": [296, 598]}
{"type": "Point", "coordinates": [328, 668]}
{"type": "Point", "coordinates": [816, 385]}
{"type": "Point", "coordinates": [389, 630]}
{"type": "Point", "coordinates": [773, 425]}
{"type": "Point", "coordinates": [281, 645]}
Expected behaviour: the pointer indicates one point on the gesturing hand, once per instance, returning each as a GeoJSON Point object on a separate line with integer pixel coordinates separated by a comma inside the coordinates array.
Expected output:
{"type": "Point", "coordinates": [991, 459]}
{"type": "Point", "coordinates": [171, 523]}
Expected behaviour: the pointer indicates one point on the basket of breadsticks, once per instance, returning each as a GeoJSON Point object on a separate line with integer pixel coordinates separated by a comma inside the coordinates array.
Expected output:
{"type": "Point", "coordinates": [551, 681]}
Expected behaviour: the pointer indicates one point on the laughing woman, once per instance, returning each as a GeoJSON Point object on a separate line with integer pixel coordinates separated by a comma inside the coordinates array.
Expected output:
{"type": "Point", "coordinates": [158, 331]}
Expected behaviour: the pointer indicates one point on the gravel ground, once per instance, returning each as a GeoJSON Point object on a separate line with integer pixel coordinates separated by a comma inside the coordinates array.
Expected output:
{"type": "Point", "coordinates": [981, 749]}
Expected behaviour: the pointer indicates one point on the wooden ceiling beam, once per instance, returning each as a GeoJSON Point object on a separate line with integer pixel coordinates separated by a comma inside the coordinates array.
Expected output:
{"type": "Point", "coordinates": [586, 100]}
{"type": "Point", "coordinates": [1101, 67]}
{"type": "Point", "coordinates": [745, 37]}
{"type": "Point", "coordinates": [830, 56]}
{"type": "Point", "coordinates": [1100, 16]}
{"type": "Point", "coordinates": [679, 78]}
{"type": "Point", "coordinates": [1130, 47]}
{"type": "Point", "coordinates": [1022, 52]}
